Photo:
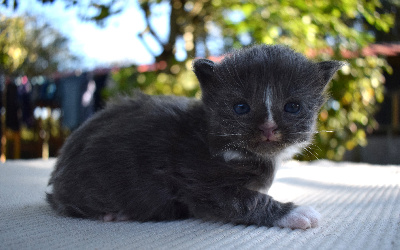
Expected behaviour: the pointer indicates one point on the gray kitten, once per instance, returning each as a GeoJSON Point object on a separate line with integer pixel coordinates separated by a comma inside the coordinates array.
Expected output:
{"type": "Point", "coordinates": [154, 158]}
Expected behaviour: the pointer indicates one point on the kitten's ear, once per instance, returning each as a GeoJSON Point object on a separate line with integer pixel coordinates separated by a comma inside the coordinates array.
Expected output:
{"type": "Point", "coordinates": [204, 70]}
{"type": "Point", "coordinates": [328, 68]}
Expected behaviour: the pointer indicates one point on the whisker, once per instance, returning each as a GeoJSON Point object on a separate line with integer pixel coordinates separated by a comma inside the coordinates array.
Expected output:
{"type": "Point", "coordinates": [310, 152]}
{"type": "Point", "coordinates": [312, 132]}
{"type": "Point", "coordinates": [314, 145]}
{"type": "Point", "coordinates": [226, 134]}
{"type": "Point", "coordinates": [295, 133]}
{"type": "Point", "coordinates": [304, 132]}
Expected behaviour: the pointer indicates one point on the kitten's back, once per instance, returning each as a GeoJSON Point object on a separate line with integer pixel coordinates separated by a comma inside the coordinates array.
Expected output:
{"type": "Point", "coordinates": [120, 148]}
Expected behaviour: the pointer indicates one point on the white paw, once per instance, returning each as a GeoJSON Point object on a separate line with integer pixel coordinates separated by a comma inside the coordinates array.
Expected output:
{"type": "Point", "coordinates": [300, 218]}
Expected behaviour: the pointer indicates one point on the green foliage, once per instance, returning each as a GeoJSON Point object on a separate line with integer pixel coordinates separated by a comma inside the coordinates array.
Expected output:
{"type": "Point", "coordinates": [178, 79]}
{"type": "Point", "coordinates": [347, 117]}
{"type": "Point", "coordinates": [30, 47]}
{"type": "Point", "coordinates": [12, 51]}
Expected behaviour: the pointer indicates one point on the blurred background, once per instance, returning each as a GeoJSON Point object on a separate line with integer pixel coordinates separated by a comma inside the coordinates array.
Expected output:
{"type": "Point", "coordinates": [61, 60]}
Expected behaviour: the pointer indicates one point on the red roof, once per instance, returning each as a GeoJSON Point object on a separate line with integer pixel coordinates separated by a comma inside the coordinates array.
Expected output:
{"type": "Point", "coordinates": [384, 49]}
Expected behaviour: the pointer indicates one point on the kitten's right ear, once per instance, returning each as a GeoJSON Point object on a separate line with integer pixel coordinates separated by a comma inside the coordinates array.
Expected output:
{"type": "Point", "coordinates": [204, 69]}
{"type": "Point", "coordinates": [328, 69]}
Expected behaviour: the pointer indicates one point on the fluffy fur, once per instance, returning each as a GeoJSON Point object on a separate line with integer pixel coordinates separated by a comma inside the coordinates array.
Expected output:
{"type": "Point", "coordinates": [153, 158]}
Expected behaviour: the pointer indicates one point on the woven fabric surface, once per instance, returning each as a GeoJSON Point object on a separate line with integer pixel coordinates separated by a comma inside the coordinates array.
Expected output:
{"type": "Point", "coordinates": [359, 203]}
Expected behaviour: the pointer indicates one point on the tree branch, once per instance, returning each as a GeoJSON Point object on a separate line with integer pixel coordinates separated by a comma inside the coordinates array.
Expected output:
{"type": "Point", "coordinates": [146, 8]}
{"type": "Point", "coordinates": [140, 36]}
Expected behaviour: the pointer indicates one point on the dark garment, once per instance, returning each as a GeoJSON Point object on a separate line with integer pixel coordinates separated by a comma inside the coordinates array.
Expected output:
{"type": "Point", "coordinates": [1, 107]}
{"type": "Point", "coordinates": [77, 99]}
{"type": "Point", "coordinates": [101, 81]}
{"type": "Point", "coordinates": [70, 92]}
{"type": "Point", "coordinates": [12, 107]}
{"type": "Point", "coordinates": [25, 97]}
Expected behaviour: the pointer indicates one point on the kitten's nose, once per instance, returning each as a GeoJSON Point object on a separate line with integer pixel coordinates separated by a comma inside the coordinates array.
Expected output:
{"type": "Point", "coordinates": [268, 131]}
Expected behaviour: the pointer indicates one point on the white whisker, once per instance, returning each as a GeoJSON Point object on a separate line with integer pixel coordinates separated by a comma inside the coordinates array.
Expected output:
{"type": "Point", "coordinates": [227, 134]}
{"type": "Point", "coordinates": [310, 152]}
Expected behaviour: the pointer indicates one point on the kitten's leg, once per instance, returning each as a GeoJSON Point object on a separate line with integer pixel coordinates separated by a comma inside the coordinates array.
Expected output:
{"type": "Point", "coordinates": [243, 206]}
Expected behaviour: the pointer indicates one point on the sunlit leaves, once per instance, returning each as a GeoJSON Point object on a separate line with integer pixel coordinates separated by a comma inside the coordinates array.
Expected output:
{"type": "Point", "coordinates": [12, 50]}
{"type": "Point", "coordinates": [359, 90]}
{"type": "Point", "coordinates": [177, 79]}
{"type": "Point", "coordinates": [30, 47]}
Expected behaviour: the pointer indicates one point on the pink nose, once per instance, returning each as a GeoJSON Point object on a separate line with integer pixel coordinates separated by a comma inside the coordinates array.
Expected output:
{"type": "Point", "coordinates": [268, 130]}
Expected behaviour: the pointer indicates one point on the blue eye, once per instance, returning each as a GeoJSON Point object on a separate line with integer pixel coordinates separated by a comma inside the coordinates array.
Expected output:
{"type": "Point", "coordinates": [241, 108]}
{"type": "Point", "coordinates": [292, 107]}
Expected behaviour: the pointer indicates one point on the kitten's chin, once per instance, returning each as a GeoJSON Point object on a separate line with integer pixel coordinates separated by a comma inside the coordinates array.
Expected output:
{"type": "Point", "coordinates": [278, 149]}
{"type": "Point", "coordinates": [268, 148]}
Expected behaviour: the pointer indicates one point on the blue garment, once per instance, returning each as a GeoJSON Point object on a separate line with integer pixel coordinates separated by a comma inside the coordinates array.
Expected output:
{"type": "Point", "coordinates": [70, 91]}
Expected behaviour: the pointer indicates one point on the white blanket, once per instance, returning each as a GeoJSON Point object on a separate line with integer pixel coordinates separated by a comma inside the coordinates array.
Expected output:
{"type": "Point", "coordinates": [360, 205]}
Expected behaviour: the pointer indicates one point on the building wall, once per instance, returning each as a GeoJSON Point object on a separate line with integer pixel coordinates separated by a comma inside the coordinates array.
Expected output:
{"type": "Point", "coordinates": [380, 150]}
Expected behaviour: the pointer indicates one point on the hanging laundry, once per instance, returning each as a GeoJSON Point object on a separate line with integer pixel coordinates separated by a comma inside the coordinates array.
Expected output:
{"type": "Point", "coordinates": [70, 91]}
{"type": "Point", "coordinates": [12, 106]}
{"type": "Point", "coordinates": [25, 97]}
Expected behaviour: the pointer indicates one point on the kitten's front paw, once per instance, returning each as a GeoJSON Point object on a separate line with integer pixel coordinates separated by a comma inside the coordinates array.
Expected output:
{"type": "Point", "coordinates": [300, 218]}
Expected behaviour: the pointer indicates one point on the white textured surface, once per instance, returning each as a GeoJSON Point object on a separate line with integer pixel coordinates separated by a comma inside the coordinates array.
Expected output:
{"type": "Point", "coordinates": [359, 204]}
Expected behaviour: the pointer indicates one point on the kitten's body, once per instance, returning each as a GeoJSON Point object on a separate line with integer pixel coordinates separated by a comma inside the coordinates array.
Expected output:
{"type": "Point", "coordinates": [166, 158]}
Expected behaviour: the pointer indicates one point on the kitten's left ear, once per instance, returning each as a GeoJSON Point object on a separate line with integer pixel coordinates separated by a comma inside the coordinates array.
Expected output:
{"type": "Point", "coordinates": [328, 68]}
{"type": "Point", "coordinates": [204, 70]}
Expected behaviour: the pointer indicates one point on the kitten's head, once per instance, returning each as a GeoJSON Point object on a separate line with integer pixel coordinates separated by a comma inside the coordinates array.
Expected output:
{"type": "Point", "coordinates": [263, 99]}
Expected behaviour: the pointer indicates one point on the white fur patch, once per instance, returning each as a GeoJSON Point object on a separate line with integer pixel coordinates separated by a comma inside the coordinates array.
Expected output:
{"type": "Point", "coordinates": [232, 155]}
{"type": "Point", "coordinates": [300, 218]}
{"type": "Point", "coordinates": [290, 151]}
{"type": "Point", "coordinates": [268, 103]}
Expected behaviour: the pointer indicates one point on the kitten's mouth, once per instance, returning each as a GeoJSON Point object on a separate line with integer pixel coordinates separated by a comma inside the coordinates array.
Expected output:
{"type": "Point", "coordinates": [268, 139]}
{"type": "Point", "coordinates": [275, 136]}
{"type": "Point", "coordinates": [269, 144]}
